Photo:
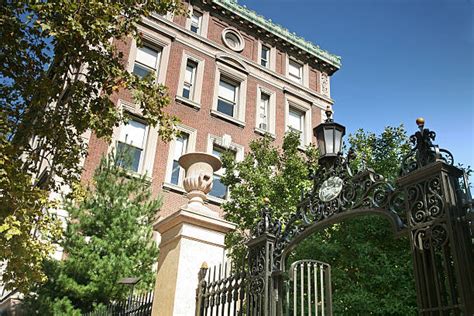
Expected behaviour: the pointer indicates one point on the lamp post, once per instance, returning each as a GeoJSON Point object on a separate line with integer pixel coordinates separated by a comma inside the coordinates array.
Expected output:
{"type": "Point", "coordinates": [329, 137]}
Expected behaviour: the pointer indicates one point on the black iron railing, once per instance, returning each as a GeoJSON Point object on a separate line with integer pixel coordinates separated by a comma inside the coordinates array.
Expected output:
{"type": "Point", "coordinates": [137, 305]}
{"type": "Point", "coordinates": [221, 291]}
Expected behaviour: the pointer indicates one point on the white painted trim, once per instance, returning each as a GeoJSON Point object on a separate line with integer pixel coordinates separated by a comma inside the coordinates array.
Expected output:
{"type": "Point", "coordinates": [191, 147]}
{"type": "Point", "coordinates": [156, 41]}
{"type": "Point", "coordinates": [271, 109]}
{"type": "Point", "coordinates": [197, 90]}
{"type": "Point", "coordinates": [291, 101]}
{"type": "Point", "coordinates": [238, 77]}
{"type": "Point", "coordinates": [234, 31]}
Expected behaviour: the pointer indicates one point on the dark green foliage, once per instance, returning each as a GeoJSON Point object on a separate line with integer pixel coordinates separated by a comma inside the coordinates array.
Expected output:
{"type": "Point", "coordinates": [371, 271]}
{"type": "Point", "coordinates": [108, 237]}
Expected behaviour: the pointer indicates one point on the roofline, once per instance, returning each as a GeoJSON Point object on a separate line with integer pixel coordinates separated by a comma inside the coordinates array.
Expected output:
{"type": "Point", "coordinates": [279, 31]}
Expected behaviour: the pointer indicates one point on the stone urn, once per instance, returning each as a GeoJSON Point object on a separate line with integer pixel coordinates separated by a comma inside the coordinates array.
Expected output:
{"type": "Point", "coordinates": [199, 168]}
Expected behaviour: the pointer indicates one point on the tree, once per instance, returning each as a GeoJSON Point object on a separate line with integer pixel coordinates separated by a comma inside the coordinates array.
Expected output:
{"type": "Point", "coordinates": [108, 237]}
{"type": "Point", "coordinates": [371, 271]}
{"type": "Point", "coordinates": [59, 69]}
{"type": "Point", "coordinates": [266, 172]}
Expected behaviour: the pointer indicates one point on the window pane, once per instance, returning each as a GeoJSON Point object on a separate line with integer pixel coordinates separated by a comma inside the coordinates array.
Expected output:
{"type": "Point", "coordinates": [133, 133]}
{"type": "Point", "coordinates": [140, 71]}
{"type": "Point", "coordinates": [190, 70]}
{"type": "Point", "coordinates": [294, 70]}
{"type": "Point", "coordinates": [218, 188]}
{"type": "Point", "coordinates": [265, 52]}
{"type": "Point", "coordinates": [227, 90]}
{"type": "Point", "coordinates": [186, 92]}
{"type": "Point", "coordinates": [264, 56]}
{"type": "Point", "coordinates": [294, 119]}
{"type": "Point", "coordinates": [180, 148]}
{"type": "Point", "coordinates": [196, 22]}
{"type": "Point", "coordinates": [175, 173]}
{"type": "Point", "coordinates": [225, 107]}
{"type": "Point", "coordinates": [264, 110]}
{"type": "Point", "coordinates": [147, 56]}
{"type": "Point", "coordinates": [127, 156]}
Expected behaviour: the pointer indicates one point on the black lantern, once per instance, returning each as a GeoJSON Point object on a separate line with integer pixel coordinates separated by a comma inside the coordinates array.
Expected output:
{"type": "Point", "coordinates": [329, 136]}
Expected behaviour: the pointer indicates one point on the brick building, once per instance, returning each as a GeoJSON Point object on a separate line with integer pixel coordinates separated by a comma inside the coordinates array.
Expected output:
{"type": "Point", "coordinates": [232, 76]}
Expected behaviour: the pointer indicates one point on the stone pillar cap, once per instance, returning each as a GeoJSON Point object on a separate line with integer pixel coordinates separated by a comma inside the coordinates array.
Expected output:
{"type": "Point", "coordinates": [187, 160]}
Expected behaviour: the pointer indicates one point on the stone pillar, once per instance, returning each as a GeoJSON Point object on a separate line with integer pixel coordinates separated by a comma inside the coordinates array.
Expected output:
{"type": "Point", "coordinates": [192, 235]}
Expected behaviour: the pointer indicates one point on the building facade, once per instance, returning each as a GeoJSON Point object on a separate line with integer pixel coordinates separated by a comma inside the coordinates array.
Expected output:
{"type": "Point", "coordinates": [232, 77]}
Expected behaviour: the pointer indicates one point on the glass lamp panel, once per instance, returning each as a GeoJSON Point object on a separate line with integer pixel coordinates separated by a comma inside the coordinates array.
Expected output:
{"type": "Point", "coordinates": [321, 144]}
{"type": "Point", "coordinates": [329, 140]}
{"type": "Point", "coordinates": [133, 133]}
{"type": "Point", "coordinates": [337, 140]}
{"type": "Point", "coordinates": [147, 56]}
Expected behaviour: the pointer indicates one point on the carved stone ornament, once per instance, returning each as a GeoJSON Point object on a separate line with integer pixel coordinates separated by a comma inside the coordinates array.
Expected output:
{"type": "Point", "coordinates": [324, 83]}
{"type": "Point", "coordinates": [199, 168]}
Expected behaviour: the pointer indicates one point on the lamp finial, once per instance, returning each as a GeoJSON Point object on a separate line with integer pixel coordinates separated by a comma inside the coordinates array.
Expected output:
{"type": "Point", "coordinates": [328, 114]}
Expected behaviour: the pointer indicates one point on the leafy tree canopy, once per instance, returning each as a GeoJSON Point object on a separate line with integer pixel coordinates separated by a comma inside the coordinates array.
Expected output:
{"type": "Point", "coordinates": [371, 271]}
{"type": "Point", "coordinates": [59, 68]}
{"type": "Point", "coordinates": [108, 237]}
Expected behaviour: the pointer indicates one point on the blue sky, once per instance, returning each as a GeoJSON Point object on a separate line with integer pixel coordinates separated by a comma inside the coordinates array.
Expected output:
{"type": "Point", "coordinates": [401, 59]}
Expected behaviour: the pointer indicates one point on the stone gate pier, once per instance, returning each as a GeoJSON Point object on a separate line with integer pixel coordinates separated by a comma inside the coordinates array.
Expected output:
{"type": "Point", "coordinates": [190, 236]}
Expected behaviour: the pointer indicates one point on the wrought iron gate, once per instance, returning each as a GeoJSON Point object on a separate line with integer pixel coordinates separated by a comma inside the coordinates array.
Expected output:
{"type": "Point", "coordinates": [309, 289]}
{"type": "Point", "coordinates": [430, 202]}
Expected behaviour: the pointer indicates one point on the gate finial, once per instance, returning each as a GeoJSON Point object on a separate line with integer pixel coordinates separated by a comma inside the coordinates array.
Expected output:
{"type": "Point", "coordinates": [424, 151]}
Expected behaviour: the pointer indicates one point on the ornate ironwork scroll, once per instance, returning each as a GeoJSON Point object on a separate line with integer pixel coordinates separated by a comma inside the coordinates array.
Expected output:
{"type": "Point", "coordinates": [336, 191]}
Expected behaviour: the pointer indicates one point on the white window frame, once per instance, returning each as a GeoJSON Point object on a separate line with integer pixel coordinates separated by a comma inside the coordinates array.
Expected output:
{"type": "Point", "coordinates": [147, 158]}
{"type": "Point", "coordinates": [199, 23]}
{"type": "Point", "coordinates": [191, 147]}
{"type": "Point", "coordinates": [156, 41]}
{"type": "Point", "coordinates": [224, 142]}
{"type": "Point", "coordinates": [195, 100]}
{"type": "Point", "coordinates": [239, 78]}
{"type": "Point", "coordinates": [271, 55]}
{"type": "Point", "coordinates": [305, 108]}
{"type": "Point", "coordinates": [304, 76]}
{"type": "Point", "coordinates": [271, 111]}
{"type": "Point", "coordinates": [204, 21]}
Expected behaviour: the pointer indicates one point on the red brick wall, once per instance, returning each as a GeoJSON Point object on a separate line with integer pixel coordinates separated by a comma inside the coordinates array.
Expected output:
{"type": "Point", "coordinates": [201, 119]}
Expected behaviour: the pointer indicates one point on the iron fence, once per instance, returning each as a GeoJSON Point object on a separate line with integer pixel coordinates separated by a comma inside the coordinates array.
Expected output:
{"type": "Point", "coordinates": [221, 292]}
{"type": "Point", "coordinates": [137, 305]}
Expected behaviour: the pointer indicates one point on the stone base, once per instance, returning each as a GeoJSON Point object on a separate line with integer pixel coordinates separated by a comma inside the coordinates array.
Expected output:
{"type": "Point", "coordinates": [188, 238]}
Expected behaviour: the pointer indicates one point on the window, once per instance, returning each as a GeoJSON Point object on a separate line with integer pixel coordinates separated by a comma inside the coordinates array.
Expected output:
{"type": "Point", "coordinates": [146, 61]}
{"type": "Point", "coordinates": [189, 79]}
{"type": "Point", "coordinates": [232, 39]}
{"type": "Point", "coordinates": [219, 190]}
{"type": "Point", "coordinates": [180, 148]}
{"type": "Point", "coordinates": [295, 71]}
{"type": "Point", "coordinates": [130, 145]}
{"type": "Point", "coordinates": [265, 56]}
{"type": "Point", "coordinates": [227, 97]}
{"type": "Point", "coordinates": [296, 122]}
{"type": "Point", "coordinates": [196, 21]}
{"type": "Point", "coordinates": [264, 112]}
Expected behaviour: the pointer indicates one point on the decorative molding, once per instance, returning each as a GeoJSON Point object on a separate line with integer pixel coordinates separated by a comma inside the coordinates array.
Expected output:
{"type": "Point", "coordinates": [236, 33]}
